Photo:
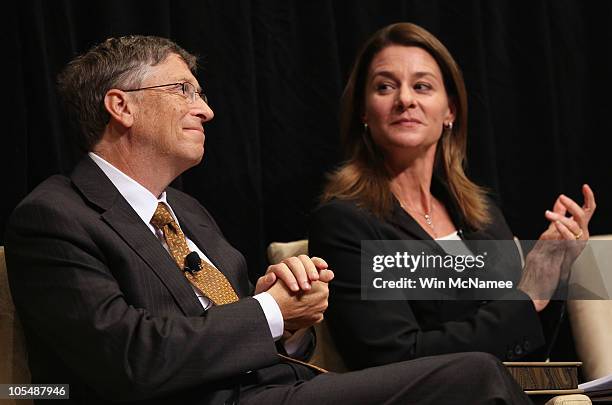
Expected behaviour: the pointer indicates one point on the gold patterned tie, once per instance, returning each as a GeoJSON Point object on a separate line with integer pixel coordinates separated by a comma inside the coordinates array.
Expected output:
{"type": "Point", "coordinates": [209, 279]}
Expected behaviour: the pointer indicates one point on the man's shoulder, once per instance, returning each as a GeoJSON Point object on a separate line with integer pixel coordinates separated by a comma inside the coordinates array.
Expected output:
{"type": "Point", "coordinates": [54, 191]}
{"type": "Point", "coordinates": [51, 210]}
{"type": "Point", "coordinates": [53, 199]}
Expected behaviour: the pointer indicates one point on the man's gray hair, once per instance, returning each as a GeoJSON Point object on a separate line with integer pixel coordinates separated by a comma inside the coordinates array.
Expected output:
{"type": "Point", "coordinates": [115, 63]}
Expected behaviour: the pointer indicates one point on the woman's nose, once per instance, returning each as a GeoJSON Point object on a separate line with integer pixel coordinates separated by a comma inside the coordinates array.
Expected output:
{"type": "Point", "coordinates": [405, 98]}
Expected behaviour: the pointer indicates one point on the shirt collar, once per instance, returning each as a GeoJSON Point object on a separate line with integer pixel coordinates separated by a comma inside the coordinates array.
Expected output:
{"type": "Point", "coordinates": [139, 198]}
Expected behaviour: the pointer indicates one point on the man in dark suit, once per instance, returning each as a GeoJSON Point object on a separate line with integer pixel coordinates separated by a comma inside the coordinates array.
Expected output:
{"type": "Point", "coordinates": [128, 291]}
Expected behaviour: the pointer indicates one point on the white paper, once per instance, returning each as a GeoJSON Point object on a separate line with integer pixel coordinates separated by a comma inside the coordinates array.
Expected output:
{"type": "Point", "coordinates": [603, 383]}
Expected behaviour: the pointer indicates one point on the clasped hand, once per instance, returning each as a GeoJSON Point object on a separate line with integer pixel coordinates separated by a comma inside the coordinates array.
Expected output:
{"type": "Point", "coordinates": [300, 287]}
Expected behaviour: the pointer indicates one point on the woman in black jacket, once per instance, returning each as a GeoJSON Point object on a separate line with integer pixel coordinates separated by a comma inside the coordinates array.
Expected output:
{"type": "Point", "coordinates": [404, 127]}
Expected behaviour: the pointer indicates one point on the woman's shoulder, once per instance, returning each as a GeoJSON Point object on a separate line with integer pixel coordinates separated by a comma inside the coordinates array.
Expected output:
{"type": "Point", "coordinates": [497, 227]}
{"type": "Point", "coordinates": [337, 209]}
{"type": "Point", "coordinates": [344, 217]}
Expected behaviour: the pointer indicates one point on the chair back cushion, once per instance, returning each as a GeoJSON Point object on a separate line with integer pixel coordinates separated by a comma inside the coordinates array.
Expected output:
{"type": "Point", "coordinates": [278, 251]}
{"type": "Point", "coordinates": [13, 357]}
{"type": "Point", "coordinates": [591, 320]}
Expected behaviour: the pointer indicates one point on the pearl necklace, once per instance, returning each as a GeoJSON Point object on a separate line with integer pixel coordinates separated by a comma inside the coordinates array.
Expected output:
{"type": "Point", "coordinates": [428, 220]}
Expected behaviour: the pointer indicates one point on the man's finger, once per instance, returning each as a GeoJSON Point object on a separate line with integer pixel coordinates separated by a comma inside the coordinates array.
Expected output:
{"type": "Point", "coordinates": [282, 272]}
{"type": "Point", "coordinates": [311, 270]}
{"type": "Point", "coordinates": [319, 263]}
{"type": "Point", "coordinates": [296, 267]}
{"type": "Point", "coordinates": [265, 282]}
{"type": "Point", "coordinates": [326, 275]}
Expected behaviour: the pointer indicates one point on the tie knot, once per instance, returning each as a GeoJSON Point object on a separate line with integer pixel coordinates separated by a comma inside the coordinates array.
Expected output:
{"type": "Point", "coordinates": [162, 216]}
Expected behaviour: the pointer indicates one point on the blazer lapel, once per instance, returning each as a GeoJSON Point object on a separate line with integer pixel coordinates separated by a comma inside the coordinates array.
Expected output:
{"type": "Point", "coordinates": [408, 225]}
{"type": "Point", "coordinates": [119, 215]}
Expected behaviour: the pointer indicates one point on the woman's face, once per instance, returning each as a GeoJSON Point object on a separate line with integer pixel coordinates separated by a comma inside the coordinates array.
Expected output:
{"type": "Point", "coordinates": [406, 104]}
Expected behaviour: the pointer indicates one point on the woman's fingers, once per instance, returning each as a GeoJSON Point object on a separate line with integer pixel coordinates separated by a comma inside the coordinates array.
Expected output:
{"type": "Point", "coordinates": [576, 211]}
{"type": "Point", "coordinates": [559, 208]}
{"type": "Point", "coordinates": [576, 225]}
{"type": "Point", "coordinates": [589, 200]}
{"type": "Point", "coordinates": [564, 231]}
{"type": "Point", "coordinates": [569, 224]}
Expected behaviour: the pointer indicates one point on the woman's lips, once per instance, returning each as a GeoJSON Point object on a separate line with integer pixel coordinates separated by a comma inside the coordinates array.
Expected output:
{"type": "Point", "coordinates": [407, 122]}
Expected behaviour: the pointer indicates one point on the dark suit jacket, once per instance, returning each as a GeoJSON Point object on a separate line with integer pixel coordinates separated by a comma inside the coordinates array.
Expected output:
{"type": "Point", "coordinates": [370, 333]}
{"type": "Point", "coordinates": [105, 309]}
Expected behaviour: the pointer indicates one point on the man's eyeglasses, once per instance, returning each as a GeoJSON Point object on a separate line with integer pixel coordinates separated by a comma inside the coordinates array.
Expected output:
{"type": "Point", "coordinates": [188, 89]}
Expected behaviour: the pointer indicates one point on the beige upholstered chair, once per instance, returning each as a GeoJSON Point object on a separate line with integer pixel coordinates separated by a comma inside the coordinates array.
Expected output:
{"type": "Point", "coordinates": [325, 355]}
{"type": "Point", "coordinates": [13, 356]}
{"type": "Point", "coordinates": [278, 251]}
{"type": "Point", "coordinates": [572, 399]}
{"type": "Point", "coordinates": [591, 320]}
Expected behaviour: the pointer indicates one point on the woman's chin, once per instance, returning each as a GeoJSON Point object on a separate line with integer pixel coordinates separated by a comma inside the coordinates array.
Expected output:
{"type": "Point", "coordinates": [416, 143]}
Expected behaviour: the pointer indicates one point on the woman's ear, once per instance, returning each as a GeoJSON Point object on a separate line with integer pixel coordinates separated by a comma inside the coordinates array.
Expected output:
{"type": "Point", "coordinates": [452, 111]}
{"type": "Point", "coordinates": [119, 107]}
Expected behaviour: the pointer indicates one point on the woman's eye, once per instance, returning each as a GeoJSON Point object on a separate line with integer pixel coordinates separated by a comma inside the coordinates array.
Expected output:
{"type": "Point", "coordinates": [422, 86]}
{"type": "Point", "coordinates": [384, 87]}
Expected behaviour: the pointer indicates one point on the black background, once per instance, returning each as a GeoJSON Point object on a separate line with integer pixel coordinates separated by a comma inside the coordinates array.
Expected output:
{"type": "Point", "coordinates": [538, 73]}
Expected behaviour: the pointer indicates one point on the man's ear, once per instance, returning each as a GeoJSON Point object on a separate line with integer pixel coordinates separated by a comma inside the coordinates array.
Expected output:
{"type": "Point", "coordinates": [120, 107]}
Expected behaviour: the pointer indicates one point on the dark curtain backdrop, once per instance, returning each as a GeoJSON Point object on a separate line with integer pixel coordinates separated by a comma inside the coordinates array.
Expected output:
{"type": "Point", "coordinates": [538, 75]}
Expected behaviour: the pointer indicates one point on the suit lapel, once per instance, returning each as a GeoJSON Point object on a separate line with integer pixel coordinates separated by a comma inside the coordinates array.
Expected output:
{"type": "Point", "coordinates": [119, 215]}
{"type": "Point", "coordinates": [204, 235]}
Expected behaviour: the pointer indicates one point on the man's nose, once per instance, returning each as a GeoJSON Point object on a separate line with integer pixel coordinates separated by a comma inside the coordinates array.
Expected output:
{"type": "Point", "coordinates": [203, 110]}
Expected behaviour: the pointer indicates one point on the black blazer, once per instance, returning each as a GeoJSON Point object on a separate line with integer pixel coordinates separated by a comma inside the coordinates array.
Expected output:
{"type": "Point", "coordinates": [370, 333]}
{"type": "Point", "coordinates": [105, 309]}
